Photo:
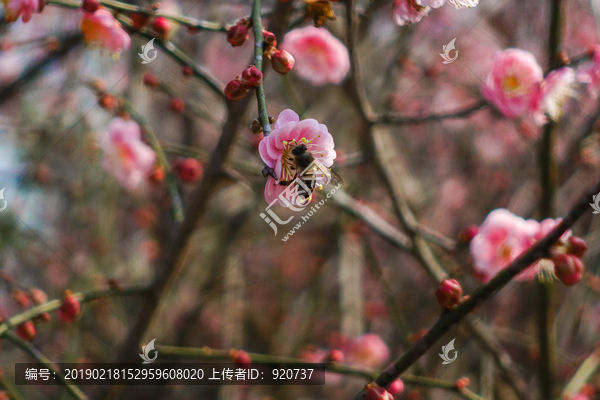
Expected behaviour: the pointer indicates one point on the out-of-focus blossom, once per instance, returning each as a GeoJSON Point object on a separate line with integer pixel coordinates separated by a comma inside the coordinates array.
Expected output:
{"type": "Point", "coordinates": [374, 392]}
{"type": "Point", "coordinates": [554, 92]}
{"type": "Point", "coordinates": [396, 387]}
{"type": "Point", "coordinates": [276, 149]}
{"type": "Point", "coordinates": [464, 3]}
{"type": "Point", "coordinates": [502, 237]}
{"type": "Point", "coordinates": [411, 11]}
{"type": "Point", "coordinates": [20, 8]}
{"type": "Point", "coordinates": [320, 57]}
{"type": "Point", "coordinates": [12, 65]}
{"type": "Point", "coordinates": [367, 351]}
{"type": "Point", "coordinates": [101, 28]}
{"type": "Point", "coordinates": [589, 72]}
{"type": "Point", "coordinates": [126, 157]}
{"type": "Point", "coordinates": [513, 82]}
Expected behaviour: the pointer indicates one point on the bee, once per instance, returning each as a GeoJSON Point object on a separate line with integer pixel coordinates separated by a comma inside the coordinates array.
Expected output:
{"type": "Point", "coordinates": [307, 172]}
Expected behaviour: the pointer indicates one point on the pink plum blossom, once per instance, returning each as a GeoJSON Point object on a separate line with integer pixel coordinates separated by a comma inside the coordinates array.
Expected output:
{"type": "Point", "coordinates": [554, 92]}
{"type": "Point", "coordinates": [502, 237]}
{"type": "Point", "coordinates": [589, 73]}
{"type": "Point", "coordinates": [367, 351]}
{"type": "Point", "coordinates": [22, 8]}
{"type": "Point", "coordinates": [411, 11]}
{"type": "Point", "coordinates": [320, 57]}
{"type": "Point", "coordinates": [101, 28]}
{"type": "Point", "coordinates": [126, 157]}
{"type": "Point", "coordinates": [276, 149]}
{"type": "Point", "coordinates": [513, 82]}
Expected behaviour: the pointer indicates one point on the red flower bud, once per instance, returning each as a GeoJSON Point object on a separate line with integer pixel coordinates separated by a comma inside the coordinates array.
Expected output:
{"type": "Point", "coordinates": [20, 298]}
{"type": "Point", "coordinates": [90, 6]}
{"type": "Point", "coordinates": [270, 38]}
{"type": "Point", "coordinates": [235, 90]}
{"type": "Point", "coordinates": [139, 20]}
{"type": "Point", "coordinates": [568, 268]}
{"type": "Point", "coordinates": [187, 70]}
{"type": "Point", "coordinates": [108, 101]}
{"type": "Point", "coordinates": [38, 296]}
{"type": "Point", "coordinates": [70, 308]}
{"type": "Point", "coordinates": [576, 246]}
{"type": "Point", "coordinates": [240, 357]}
{"type": "Point", "coordinates": [177, 105]}
{"type": "Point", "coordinates": [252, 77]}
{"type": "Point", "coordinates": [237, 35]}
{"type": "Point", "coordinates": [335, 356]}
{"type": "Point", "coordinates": [449, 293]}
{"type": "Point", "coordinates": [396, 387]}
{"type": "Point", "coordinates": [189, 170]}
{"type": "Point", "coordinates": [374, 392]}
{"type": "Point", "coordinates": [151, 80]}
{"type": "Point", "coordinates": [158, 175]}
{"type": "Point", "coordinates": [468, 233]}
{"type": "Point", "coordinates": [26, 331]}
{"type": "Point", "coordinates": [161, 26]}
{"type": "Point", "coordinates": [282, 62]}
{"type": "Point", "coordinates": [462, 383]}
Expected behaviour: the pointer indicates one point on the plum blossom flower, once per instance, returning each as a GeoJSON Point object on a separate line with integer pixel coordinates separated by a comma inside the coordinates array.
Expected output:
{"type": "Point", "coordinates": [589, 73]}
{"type": "Point", "coordinates": [22, 8]}
{"type": "Point", "coordinates": [276, 149]}
{"type": "Point", "coordinates": [411, 11]}
{"type": "Point", "coordinates": [320, 57]}
{"type": "Point", "coordinates": [102, 29]}
{"type": "Point", "coordinates": [126, 157]}
{"type": "Point", "coordinates": [464, 3]}
{"type": "Point", "coordinates": [368, 351]}
{"type": "Point", "coordinates": [513, 82]}
{"type": "Point", "coordinates": [554, 92]}
{"type": "Point", "coordinates": [502, 237]}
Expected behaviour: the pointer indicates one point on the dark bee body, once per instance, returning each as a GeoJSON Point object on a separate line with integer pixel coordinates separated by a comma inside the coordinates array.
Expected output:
{"type": "Point", "coordinates": [303, 159]}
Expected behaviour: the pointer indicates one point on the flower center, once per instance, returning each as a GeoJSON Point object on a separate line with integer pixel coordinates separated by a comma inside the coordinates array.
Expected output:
{"type": "Point", "coordinates": [504, 251]}
{"type": "Point", "coordinates": [511, 83]}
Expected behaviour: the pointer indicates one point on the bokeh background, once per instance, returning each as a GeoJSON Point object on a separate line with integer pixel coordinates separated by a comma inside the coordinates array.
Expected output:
{"type": "Point", "coordinates": [71, 225]}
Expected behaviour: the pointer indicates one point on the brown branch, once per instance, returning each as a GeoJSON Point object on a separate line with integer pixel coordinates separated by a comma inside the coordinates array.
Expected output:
{"type": "Point", "coordinates": [462, 113]}
{"type": "Point", "coordinates": [450, 318]}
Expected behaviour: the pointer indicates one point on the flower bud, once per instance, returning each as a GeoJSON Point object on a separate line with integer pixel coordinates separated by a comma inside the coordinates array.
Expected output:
{"type": "Point", "coordinates": [151, 80]}
{"type": "Point", "coordinates": [20, 298]}
{"type": "Point", "coordinates": [70, 307]}
{"type": "Point", "coordinates": [26, 331]}
{"type": "Point", "coordinates": [240, 357]}
{"type": "Point", "coordinates": [576, 246]}
{"type": "Point", "coordinates": [139, 20]}
{"type": "Point", "coordinates": [256, 127]}
{"type": "Point", "coordinates": [90, 6]}
{"type": "Point", "coordinates": [108, 101]}
{"type": "Point", "coordinates": [568, 269]}
{"type": "Point", "coordinates": [252, 77]}
{"type": "Point", "coordinates": [468, 233]}
{"type": "Point", "coordinates": [449, 293]}
{"type": "Point", "coordinates": [462, 383]}
{"type": "Point", "coordinates": [374, 392]}
{"type": "Point", "coordinates": [158, 175]}
{"type": "Point", "coordinates": [187, 70]}
{"type": "Point", "coordinates": [282, 62]}
{"type": "Point", "coordinates": [270, 38]}
{"type": "Point", "coordinates": [189, 170]}
{"type": "Point", "coordinates": [177, 105]}
{"type": "Point", "coordinates": [396, 387]}
{"type": "Point", "coordinates": [235, 90]}
{"type": "Point", "coordinates": [161, 27]}
{"type": "Point", "coordinates": [38, 296]}
{"type": "Point", "coordinates": [237, 35]}
{"type": "Point", "coordinates": [335, 356]}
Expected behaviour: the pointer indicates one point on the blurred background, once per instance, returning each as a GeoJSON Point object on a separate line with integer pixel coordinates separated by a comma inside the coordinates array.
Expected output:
{"type": "Point", "coordinates": [70, 225]}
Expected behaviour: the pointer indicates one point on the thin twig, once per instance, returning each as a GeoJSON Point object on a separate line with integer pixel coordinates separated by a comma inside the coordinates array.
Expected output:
{"type": "Point", "coordinates": [73, 390]}
{"type": "Point", "coordinates": [263, 114]}
{"type": "Point", "coordinates": [401, 120]}
{"type": "Point", "coordinates": [212, 354]}
{"type": "Point", "coordinates": [585, 371]}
